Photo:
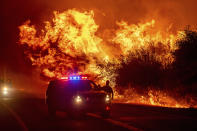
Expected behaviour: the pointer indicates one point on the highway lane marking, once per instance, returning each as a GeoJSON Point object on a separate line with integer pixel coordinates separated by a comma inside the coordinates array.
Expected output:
{"type": "Point", "coordinates": [115, 122]}
{"type": "Point", "coordinates": [18, 119]}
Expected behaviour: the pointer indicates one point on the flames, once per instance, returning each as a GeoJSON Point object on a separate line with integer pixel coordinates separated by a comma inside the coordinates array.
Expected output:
{"type": "Point", "coordinates": [71, 43]}
{"type": "Point", "coordinates": [67, 42]}
{"type": "Point", "coordinates": [156, 98]}
{"type": "Point", "coordinates": [146, 35]}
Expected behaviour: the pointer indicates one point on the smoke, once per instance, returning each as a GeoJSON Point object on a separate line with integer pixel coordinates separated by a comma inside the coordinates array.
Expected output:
{"type": "Point", "coordinates": [176, 12]}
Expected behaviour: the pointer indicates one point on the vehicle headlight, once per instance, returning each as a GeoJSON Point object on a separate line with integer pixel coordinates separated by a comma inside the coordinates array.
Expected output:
{"type": "Point", "coordinates": [107, 98]}
{"type": "Point", "coordinates": [5, 90]}
{"type": "Point", "coordinates": [78, 99]}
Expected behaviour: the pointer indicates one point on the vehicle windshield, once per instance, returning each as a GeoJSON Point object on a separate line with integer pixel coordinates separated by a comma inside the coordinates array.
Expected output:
{"type": "Point", "coordinates": [77, 85]}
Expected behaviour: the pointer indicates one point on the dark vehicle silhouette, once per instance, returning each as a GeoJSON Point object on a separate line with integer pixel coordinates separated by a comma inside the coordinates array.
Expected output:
{"type": "Point", "coordinates": [76, 95]}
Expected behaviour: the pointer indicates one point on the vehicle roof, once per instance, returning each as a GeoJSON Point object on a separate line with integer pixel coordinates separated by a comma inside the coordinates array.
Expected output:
{"type": "Point", "coordinates": [76, 84]}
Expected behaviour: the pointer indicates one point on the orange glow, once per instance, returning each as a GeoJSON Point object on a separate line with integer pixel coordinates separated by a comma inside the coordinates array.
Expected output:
{"type": "Point", "coordinates": [72, 35]}
{"type": "Point", "coordinates": [71, 41]}
{"type": "Point", "coordinates": [156, 98]}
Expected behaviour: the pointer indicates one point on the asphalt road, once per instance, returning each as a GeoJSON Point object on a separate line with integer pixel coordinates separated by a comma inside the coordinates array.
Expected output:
{"type": "Point", "coordinates": [26, 112]}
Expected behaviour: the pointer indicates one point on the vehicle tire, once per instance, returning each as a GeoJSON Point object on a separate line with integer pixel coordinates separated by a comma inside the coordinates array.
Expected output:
{"type": "Point", "coordinates": [77, 115]}
{"type": "Point", "coordinates": [51, 111]}
{"type": "Point", "coordinates": [70, 114]}
{"type": "Point", "coordinates": [105, 114]}
{"type": "Point", "coordinates": [81, 114]}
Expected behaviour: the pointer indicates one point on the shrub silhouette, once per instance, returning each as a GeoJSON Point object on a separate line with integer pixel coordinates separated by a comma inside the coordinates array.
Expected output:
{"type": "Point", "coordinates": [185, 64]}
{"type": "Point", "coordinates": [140, 69]}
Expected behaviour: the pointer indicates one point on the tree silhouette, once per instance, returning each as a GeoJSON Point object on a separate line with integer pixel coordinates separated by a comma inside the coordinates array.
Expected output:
{"type": "Point", "coordinates": [140, 69]}
{"type": "Point", "coordinates": [185, 64]}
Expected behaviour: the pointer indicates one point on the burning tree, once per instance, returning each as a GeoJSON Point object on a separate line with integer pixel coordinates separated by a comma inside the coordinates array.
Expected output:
{"type": "Point", "coordinates": [129, 53]}
{"type": "Point", "coordinates": [70, 40]}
